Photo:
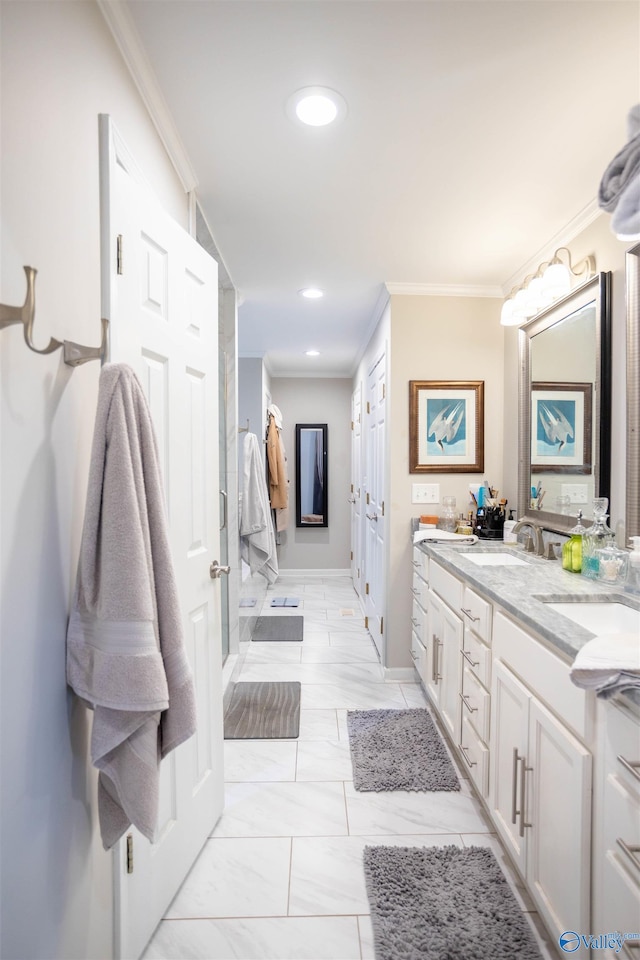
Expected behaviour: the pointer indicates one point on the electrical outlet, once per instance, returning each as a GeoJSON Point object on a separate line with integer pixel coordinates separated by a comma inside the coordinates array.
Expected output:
{"type": "Point", "coordinates": [577, 492]}
{"type": "Point", "coordinates": [425, 493]}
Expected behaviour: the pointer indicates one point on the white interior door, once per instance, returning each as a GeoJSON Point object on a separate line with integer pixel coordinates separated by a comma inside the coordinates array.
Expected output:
{"type": "Point", "coordinates": [163, 312]}
{"type": "Point", "coordinates": [355, 495]}
{"type": "Point", "coordinates": [374, 506]}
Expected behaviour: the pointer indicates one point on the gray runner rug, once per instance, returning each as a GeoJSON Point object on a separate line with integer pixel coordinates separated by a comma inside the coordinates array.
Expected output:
{"type": "Point", "coordinates": [263, 711]}
{"type": "Point", "coordinates": [278, 628]}
{"type": "Point", "coordinates": [398, 750]}
{"type": "Point", "coordinates": [444, 903]}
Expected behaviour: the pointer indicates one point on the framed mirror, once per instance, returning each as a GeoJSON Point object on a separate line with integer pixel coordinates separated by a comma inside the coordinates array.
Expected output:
{"type": "Point", "coordinates": [564, 412]}
{"type": "Point", "coordinates": [311, 475]}
{"type": "Point", "coordinates": [632, 520]}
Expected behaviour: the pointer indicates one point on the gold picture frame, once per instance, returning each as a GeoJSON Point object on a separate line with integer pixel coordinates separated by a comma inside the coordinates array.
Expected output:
{"type": "Point", "coordinates": [446, 426]}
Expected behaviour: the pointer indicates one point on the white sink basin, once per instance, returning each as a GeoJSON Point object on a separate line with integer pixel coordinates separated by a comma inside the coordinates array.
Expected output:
{"type": "Point", "coordinates": [495, 560]}
{"type": "Point", "coordinates": [600, 618]}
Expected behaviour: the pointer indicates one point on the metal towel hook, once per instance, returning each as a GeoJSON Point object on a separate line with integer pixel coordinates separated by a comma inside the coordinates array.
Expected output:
{"type": "Point", "coordinates": [74, 353]}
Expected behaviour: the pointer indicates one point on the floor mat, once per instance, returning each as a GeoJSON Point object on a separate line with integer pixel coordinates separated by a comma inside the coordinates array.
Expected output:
{"type": "Point", "coordinates": [285, 602]}
{"type": "Point", "coordinates": [278, 628]}
{"type": "Point", "coordinates": [263, 711]}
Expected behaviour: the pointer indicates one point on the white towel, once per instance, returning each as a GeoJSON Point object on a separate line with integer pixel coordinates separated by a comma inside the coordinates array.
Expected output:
{"type": "Point", "coordinates": [443, 536]}
{"type": "Point", "coordinates": [125, 652]}
{"type": "Point", "coordinates": [608, 664]}
{"type": "Point", "coordinates": [257, 537]}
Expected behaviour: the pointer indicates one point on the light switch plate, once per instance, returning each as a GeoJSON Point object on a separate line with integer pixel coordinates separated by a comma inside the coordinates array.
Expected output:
{"type": "Point", "coordinates": [577, 492]}
{"type": "Point", "coordinates": [425, 493]}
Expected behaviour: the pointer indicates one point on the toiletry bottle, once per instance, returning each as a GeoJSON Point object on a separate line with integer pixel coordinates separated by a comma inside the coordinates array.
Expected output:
{"type": "Point", "coordinates": [508, 535]}
{"type": "Point", "coordinates": [612, 564]}
{"type": "Point", "coordinates": [448, 520]}
{"type": "Point", "coordinates": [572, 548]}
{"type": "Point", "coordinates": [632, 584]}
{"type": "Point", "coordinates": [598, 536]}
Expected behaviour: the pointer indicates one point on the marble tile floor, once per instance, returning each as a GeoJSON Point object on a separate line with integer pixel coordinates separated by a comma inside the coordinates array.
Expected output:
{"type": "Point", "coordinates": [281, 877]}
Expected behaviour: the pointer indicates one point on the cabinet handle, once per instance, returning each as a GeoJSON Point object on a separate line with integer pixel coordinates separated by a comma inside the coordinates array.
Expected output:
{"type": "Point", "coordinates": [465, 700]}
{"type": "Point", "coordinates": [414, 655]}
{"type": "Point", "coordinates": [632, 766]}
{"type": "Point", "coordinates": [514, 787]}
{"type": "Point", "coordinates": [414, 621]}
{"type": "Point", "coordinates": [415, 592]}
{"type": "Point", "coordinates": [435, 674]}
{"type": "Point", "coordinates": [470, 763]}
{"type": "Point", "coordinates": [631, 852]}
{"type": "Point", "coordinates": [523, 796]}
{"type": "Point", "coordinates": [469, 614]}
{"type": "Point", "coordinates": [472, 663]}
{"type": "Point", "coordinates": [416, 563]}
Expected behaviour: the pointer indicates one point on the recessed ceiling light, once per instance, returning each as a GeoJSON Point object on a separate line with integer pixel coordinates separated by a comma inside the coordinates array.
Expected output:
{"type": "Point", "coordinates": [312, 353]}
{"type": "Point", "coordinates": [311, 293]}
{"type": "Point", "coordinates": [316, 106]}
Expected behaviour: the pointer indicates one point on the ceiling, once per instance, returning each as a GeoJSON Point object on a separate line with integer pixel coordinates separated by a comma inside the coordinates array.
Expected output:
{"type": "Point", "coordinates": [475, 133]}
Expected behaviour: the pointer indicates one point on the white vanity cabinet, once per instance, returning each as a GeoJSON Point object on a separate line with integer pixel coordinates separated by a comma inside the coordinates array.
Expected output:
{"type": "Point", "coordinates": [616, 861]}
{"type": "Point", "coordinates": [443, 645]}
{"type": "Point", "coordinates": [419, 595]}
{"type": "Point", "coordinates": [540, 779]}
{"type": "Point", "coordinates": [475, 699]}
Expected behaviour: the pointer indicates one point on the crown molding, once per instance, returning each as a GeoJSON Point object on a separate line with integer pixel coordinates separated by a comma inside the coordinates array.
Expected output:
{"type": "Point", "coordinates": [442, 290]}
{"type": "Point", "coordinates": [123, 30]}
{"type": "Point", "coordinates": [563, 238]}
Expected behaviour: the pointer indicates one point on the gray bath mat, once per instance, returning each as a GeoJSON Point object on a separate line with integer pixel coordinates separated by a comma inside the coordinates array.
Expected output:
{"type": "Point", "coordinates": [278, 628]}
{"type": "Point", "coordinates": [444, 903]}
{"type": "Point", "coordinates": [263, 711]}
{"type": "Point", "coordinates": [398, 750]}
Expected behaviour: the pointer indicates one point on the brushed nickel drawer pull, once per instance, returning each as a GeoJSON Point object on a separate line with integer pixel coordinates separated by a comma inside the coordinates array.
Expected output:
{"type": "Point", "coordinates": [630, 851]}
{"type": "Point", "coordinates": [465, 700]}
{"type": "Point", "coordinates": [469, 614]}
{"type": "Point", "coordinates": [514, 787]}
{"type": "Point", "coordinates": [414, 655]}
{"type": "Point", "coordinates": [414, 621]}
{"type": "Point", "coordinates": [633, 766]}
{"type": "Point", "coordinates": [472, 663]}
{"type": "Point", "coordinates": [470, 763]}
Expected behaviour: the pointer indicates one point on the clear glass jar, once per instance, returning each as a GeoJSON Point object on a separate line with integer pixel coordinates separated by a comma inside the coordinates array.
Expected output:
{"type": "Point", "coordinates": [572, 548]}
{"type": "Point", "coordinates": [448, 520]}
{"type": "Point", "coordinates": [612, 564]}
{"type": "Point", "coordinates": [597, 537]}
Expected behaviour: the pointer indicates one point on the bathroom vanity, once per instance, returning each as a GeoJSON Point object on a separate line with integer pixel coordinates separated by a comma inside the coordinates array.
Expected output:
{"type": "Point", "coordinates": [556, 768]}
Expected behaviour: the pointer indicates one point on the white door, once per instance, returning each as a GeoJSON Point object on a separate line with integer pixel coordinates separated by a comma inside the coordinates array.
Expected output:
{"type": "Point", "coordinates": [163, 312]}
{"type": "Point", "coordinates": [374, 506]}
{"type": "Point", "coordinates": [355, 495]}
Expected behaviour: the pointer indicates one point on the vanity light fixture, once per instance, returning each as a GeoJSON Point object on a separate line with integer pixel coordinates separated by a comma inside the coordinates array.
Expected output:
{"type": "Point", "coordinates": [316, 106]}
{"type": "Point", "coordinates": [550, 282]}
{"type": "Point", "coordinates": [311, 293]}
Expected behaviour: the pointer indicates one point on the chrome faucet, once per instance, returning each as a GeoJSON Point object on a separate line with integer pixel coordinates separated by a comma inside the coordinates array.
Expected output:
{"type": "Point", "coordinates": [537, 532]}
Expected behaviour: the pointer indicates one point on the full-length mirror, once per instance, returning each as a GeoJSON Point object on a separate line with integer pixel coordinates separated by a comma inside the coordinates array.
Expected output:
{"type": "Point", "coordinates": [565, 407]}
{"type": "Point", "coordinates": [311, 475]}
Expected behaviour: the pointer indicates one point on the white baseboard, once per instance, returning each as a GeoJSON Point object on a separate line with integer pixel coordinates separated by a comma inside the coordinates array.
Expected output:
{"type": "Point", "coordinates": [315, 573]}
{"type": "Point", "coordinates": [401, 675]}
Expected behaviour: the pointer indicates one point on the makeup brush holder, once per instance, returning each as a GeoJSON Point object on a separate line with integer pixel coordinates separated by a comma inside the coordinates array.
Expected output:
{"type": "Point", "coordinates": [489, 523]}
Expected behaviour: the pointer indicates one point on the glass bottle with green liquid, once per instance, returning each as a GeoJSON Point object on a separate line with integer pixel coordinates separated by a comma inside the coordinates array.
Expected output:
{"type": "Point", "coordinates": [572, 548]}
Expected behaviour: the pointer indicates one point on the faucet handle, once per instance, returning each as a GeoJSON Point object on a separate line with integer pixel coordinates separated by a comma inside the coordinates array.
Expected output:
{"type": "Point", "coordinates": [550, 554]}
{"type": "Point", "coordinates": [528, 543]}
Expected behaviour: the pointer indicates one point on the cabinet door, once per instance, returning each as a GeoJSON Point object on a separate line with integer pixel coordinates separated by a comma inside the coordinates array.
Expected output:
{"type": "Point", "coordinates": [558, 822]}
{"type": "Point", "coordinates": [509, 734]}
{"type": "Point", "coordinates": [432, 642]}
{"type": "Point", "coordinates": [451, 669]}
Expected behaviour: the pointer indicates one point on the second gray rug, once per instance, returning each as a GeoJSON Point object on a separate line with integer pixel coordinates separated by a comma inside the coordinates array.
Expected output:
{"type": "Point", "coordinates": [263, 711]}
{"type": "Point", "coordinates": [398, 750]}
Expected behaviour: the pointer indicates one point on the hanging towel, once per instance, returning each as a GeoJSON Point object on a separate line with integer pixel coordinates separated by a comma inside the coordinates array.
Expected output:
{"type": "Point", "coordinates": [608, 664]}
{"type": "Point", "coordinates": [125, 652]}
{"type": "Point", "coordinates": [443, 536]}
{"type": "Point", "coordinates": [275, 412]}
{"type": "Point", "coordinates": [625, 166]}
{"type": "Point", "coordinates": [257, 537]}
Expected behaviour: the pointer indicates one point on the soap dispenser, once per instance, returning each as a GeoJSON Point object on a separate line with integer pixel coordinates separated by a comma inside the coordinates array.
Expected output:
{"type": "Point", "coordinates": [572, 548]}
{"type": "Point", "coordinates": [632, 584]}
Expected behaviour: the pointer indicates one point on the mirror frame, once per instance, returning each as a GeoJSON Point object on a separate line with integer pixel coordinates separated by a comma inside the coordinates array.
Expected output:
{"type": "Point", "coordinates": [598, 291]}
{"type": "Point", "coordinates": [325, 521]}
{"type": "Point", "coordinates": [632, 511]}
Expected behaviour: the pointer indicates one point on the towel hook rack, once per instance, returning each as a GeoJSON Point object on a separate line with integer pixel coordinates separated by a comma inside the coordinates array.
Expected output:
{"type": "Point", "coordinates": [74, 353]}
{"type": "Point", "coordinates": [244, 429]}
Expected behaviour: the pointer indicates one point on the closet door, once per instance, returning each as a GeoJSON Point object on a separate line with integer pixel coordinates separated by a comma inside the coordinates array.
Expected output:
{"type": "Point", "coordinates": [355, 495]}
{"type": "Point", "coordinates": [374, 506]}
{"type": "Point", "coordinates": [164, 322]}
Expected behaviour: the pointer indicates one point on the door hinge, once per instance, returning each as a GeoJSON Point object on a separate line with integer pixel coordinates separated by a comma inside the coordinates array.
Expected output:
{"type": "Point", "coordinates": [384, 391]}
{"type": "Point", "coordinates": [382, 508]}
{"type": "Point", "coordinates": [129, 853]}
{"type": "Point", "coordinates": [352, 424]}
{"type": "Point", "coordinates": [352, 554]}
{"type": "Point", "coordinates": [366, 623]}
{"type": "Point", "coordinates": [366, 588]}
{"type": "Point", "coordinates": [367, 498]}
{"type": "Point", "coordinates": [351, 488]}
{"type": "Point", "coordinates": [358, 573]}
{"type": "Point", "coordinates": [119, 254]}
{"type": "Point", "coordinates": [368, 407]}
{"type": "Point", "coordinates": [381, 624]}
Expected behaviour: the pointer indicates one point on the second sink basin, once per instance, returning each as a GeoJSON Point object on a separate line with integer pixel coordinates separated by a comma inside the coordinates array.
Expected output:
{"type": "Point", "coordinates": [495, 559]}
{"type": "Point", "coordinates": [599, 617]}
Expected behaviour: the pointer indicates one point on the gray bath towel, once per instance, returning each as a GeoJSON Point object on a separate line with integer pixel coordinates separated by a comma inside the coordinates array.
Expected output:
{"type": "Point", "coordinates": [257, 536]}
{"type": "Point", "coordinates": [125, 652]}
{"type": "Point", "coordinates": [624, 169]}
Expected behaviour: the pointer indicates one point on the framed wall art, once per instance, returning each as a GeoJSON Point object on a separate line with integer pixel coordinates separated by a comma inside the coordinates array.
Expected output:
{"type": "Point", "coordinates": [446, 426]}
{"type": "Point", "coordinates": [561, 427]}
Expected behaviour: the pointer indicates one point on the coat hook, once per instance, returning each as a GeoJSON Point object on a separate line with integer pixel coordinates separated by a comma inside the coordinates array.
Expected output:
{"type": "Point", "coordinates": [74, 353]}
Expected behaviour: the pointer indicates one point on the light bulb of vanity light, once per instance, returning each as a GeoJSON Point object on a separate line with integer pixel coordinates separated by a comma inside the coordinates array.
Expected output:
{"type": "Point", "coordinates": [311, 293]}
{"type": "Point", "coordinates": [506, 315]}
{"type": "Point", "coordinates": [519, 302]}
{"type": "Point", "coordinates": [556, 281]}
{"type": "Point", "coordinates": [536, 295]}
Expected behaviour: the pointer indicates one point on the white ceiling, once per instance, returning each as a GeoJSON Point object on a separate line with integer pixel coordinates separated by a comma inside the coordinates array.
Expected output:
{"type": "Point", "coordinates": [476, 132]}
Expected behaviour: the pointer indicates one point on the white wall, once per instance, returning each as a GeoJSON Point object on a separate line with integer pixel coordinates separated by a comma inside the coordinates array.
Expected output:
{"type": "Point", "coordinates": [60, 69]}
{"type": "Point", "coordinates": [317, 400]}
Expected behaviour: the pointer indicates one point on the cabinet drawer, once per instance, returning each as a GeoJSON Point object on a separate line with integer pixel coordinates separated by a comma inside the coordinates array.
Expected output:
{"type": "Point", "coordinates": [417, 618]}
{"type": "Point", "coordinates": [448, 587]}
{"type": "Point", "coordinates": [477, 614]}
{"type": "Point", "coordinates": [477, 657]}
{"type": "Point", "coordinates": [417, 652]}
{"type": "Point", "coordinates": [419, 589]}
{"type": "Point", "coordinates": [475, 704]}
{"type": "Point", "coordinates": [475, 757]}
{"type": "Point", "coordinates": [420, 562]}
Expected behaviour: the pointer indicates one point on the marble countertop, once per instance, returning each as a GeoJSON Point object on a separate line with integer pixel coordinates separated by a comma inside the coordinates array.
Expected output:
{"type": "Point", "coordinates": [517, 588]}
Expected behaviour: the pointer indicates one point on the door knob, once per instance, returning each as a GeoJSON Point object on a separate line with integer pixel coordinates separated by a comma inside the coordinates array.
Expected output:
{"type": "Point", "coordinates": [351, 499]}
{"type": "Point", "coordinates": [216, 571]}
{"type": "Point", "coordinates": [371, 516]}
